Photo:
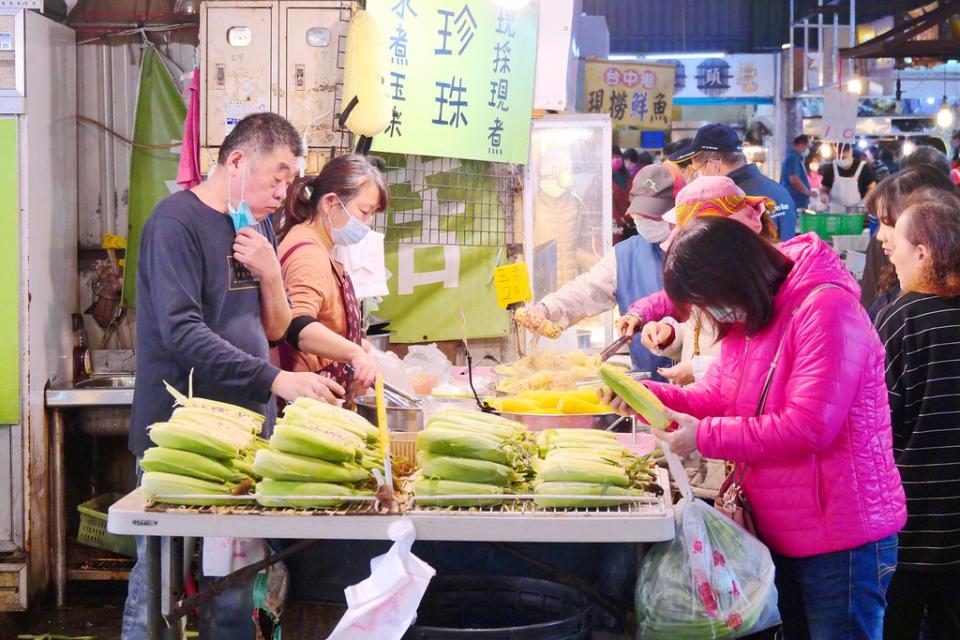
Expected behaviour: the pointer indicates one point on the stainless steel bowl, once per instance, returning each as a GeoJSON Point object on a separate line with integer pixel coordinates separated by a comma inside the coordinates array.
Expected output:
{"type": "Point", "coordinates": [539, 421]}
{"type": "Point", "coordinates": [380, 340]}
{"type": "Point", "coordinates": [399, 418]}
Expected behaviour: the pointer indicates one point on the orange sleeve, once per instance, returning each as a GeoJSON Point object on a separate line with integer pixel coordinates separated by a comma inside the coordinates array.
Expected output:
{"type": "Point", "coordinates": [308, 277]}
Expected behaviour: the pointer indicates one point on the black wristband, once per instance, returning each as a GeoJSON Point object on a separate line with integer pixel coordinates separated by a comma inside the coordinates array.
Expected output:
{"type": "Point", "coordinates": [297, 325]}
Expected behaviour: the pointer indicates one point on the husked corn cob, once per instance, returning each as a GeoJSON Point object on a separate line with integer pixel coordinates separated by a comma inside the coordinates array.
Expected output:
{"type": "Point", "coordinates": [303, 495]}
{"type": "Point", "coordinates": [640, 399]}
{"type": "Point", "coordinates": [286, 466]}
{"type": "Point", "coordinates": [435, 493]}
{"type": "Point", "coordinates": [190, 436]}
{"type": "Point", "coordinates": [467, 470]}
{"type": "Point", "coordinates": [541, 326]}
{"type": "Point", "coordinates": [565, 470]}
{"type": "Point", "coordinates": [324, 444]}
{"type": "Point", "coordinates": [474, 427]}
{"type": "Point", "coordinates": [187, 463]}
{"type": "Point", "coordinates": [156, 483]}
{"type": "Point", "coordinates": [465, 444]}
{"type": "Point", "coordinates": [545, 490]}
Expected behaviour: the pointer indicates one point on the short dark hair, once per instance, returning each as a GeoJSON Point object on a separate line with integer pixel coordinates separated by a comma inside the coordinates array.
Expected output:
{"type": "Point", "coordinates": [644, 157]}
{"type": "Point", "coordinates": [801, 139]}
{"type": "Point", "coordinates": [672, 147]}
{"type": "Point", "coordinates": [888, 200]}
{"type": "Point", "coordinates": [616, 151]}
{"type": "Point", "coordinates": [935, 223]}
{"type": "Point", "coordinates": [259, 134]}
{"type": "Point", "coordinates": [928, 156]}
{"type": "Point", "coordinates": [719, 262]}
{"type": "Point", "coordinates": [886, 155]}
{"type": "Point", "coordinates": [631, 155]}
{"type": "Point", "coordinates": [932, 141]}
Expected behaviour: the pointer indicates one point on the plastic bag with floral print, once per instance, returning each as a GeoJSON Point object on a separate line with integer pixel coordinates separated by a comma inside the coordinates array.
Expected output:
{"type": "Point", "coordinates": [713, 580]}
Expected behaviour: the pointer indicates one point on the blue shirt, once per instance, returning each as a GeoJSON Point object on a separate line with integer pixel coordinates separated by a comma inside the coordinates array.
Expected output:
{"type": "Point", "coordinates": [199, 309]}
{"type": "Point", "coordinates": [754, 183]}
{"type": "Point", "coordinates": [639, 273]}
{"type": "Point", "coordinates": [793, 166]}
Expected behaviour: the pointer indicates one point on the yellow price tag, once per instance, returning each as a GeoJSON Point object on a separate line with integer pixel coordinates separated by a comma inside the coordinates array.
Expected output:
{"type": "Point", "coordinates": [513, 284]}
{"type": "Point", "coordinates": [111, 241]}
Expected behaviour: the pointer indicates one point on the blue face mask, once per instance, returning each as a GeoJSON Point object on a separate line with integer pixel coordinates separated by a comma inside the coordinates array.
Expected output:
{"type": "Point", "coordinates": [727, 315]}
{"type": "Point", "coordinates": [351, 233]}
{"type": "Point", "coordinates": [241, 216]}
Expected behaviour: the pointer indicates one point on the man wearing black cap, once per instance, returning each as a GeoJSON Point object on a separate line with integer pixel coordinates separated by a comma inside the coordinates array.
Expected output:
{"type": "Point", "coordinates": [716, 151]}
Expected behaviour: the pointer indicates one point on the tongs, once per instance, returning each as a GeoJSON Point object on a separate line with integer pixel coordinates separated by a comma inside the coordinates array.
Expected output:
{"type": "Point", "coordinates": [614, 348]}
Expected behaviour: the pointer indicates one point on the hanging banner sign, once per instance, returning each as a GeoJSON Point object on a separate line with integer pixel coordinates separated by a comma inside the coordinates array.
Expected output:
{"type": "Point", "coordinates": [635, 94]}
{"type": "Point", "coordinates": [839, 115]}
{"type": "Point", "coordinates": [741, 76]}
{"type": "Point", "coordinates": [461, 78]}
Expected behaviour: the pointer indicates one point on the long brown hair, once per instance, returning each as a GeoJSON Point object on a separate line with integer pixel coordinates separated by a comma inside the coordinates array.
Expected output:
{"type": "Point", "coordinates": [344, 175]}
{"type": "Point", "coordinates": [719, 262]}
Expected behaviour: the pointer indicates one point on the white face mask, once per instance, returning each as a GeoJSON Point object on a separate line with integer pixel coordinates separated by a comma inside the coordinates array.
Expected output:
{"type": "Point", "coordinates": [653, 231]}
{"type": "Point", "coordinates": [727, 315]}
{"type": "Point", "coordinates": [845, 163]}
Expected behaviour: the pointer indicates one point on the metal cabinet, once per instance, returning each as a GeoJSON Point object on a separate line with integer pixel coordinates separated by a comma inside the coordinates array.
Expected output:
{"type": "Point", "coordinates": [284, 56]}
{"type": "Point", "coordinates": [240, 63]}
{"type": "Point", "coordinates": [313, 46]}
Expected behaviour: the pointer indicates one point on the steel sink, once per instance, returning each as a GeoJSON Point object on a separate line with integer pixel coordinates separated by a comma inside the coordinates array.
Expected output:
{"type": "Point", "coordinates": [107, 382]}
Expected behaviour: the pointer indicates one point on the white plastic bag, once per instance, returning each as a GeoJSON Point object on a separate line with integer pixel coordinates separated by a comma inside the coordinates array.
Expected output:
{"type": "Point", "coordinates": [392, 370]}
{"type": "Point", "coordinates": [713, 580]}
{"type": "Point", "coordinates": [383, 606]}
{"type": "Point", "coordinates": [428, 367]}
{"type": "Point", "coordinates": [223, 556]}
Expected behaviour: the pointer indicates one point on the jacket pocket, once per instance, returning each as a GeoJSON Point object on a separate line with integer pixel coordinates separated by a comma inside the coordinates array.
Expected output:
{"type": "Point", "coordinates": [817, 485]}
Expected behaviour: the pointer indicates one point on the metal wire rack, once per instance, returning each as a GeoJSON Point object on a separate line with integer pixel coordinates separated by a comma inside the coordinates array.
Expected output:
{"type": "Point", "coordinates": [449, 201]}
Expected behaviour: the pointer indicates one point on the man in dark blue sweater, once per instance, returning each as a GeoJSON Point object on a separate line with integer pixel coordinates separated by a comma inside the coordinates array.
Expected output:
{"type": "Point", "coordinates": [210, 299]}
{"type": "Point", "coordinates": [716, 151]}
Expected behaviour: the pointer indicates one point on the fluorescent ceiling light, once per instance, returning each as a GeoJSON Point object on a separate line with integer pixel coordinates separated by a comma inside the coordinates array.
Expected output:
{"type": "Point", "coordinates": [621, 56]}
{"type": "Point", "coordinates": [686, 56]}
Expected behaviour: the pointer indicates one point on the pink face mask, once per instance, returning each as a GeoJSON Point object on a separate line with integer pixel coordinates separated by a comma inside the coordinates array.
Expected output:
{"type": "Point", "coordinates": [617, 164]}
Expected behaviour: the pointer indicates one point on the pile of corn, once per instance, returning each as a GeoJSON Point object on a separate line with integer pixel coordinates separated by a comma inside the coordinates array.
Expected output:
{"type": "Point", "coordinates": [464, 453]}
{"type": "Point", "coordinates": [586, 462]}
{"type": "Point", "coordinates": [205, 449]}
{"type": "Point", "coordinates": [318, 455]}
{"type": "Point", "coordinates": [579, 402]}
{"type": "Point", "coordinates": [547, 370]}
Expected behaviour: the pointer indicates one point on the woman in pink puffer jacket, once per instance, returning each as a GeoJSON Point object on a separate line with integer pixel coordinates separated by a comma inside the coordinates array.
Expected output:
{"type": "Point", "coordinates": [819, 472]}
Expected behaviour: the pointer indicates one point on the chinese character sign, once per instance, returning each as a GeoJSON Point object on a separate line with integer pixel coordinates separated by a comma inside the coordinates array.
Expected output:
{"type": "Point", "coordinates": [461, 78]}
{"type": "Point", "coordinates": [634, 94]}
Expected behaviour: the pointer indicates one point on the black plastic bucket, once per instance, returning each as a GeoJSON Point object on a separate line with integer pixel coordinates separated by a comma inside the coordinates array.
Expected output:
{"type": "Point", "coordinates": [500, 608]}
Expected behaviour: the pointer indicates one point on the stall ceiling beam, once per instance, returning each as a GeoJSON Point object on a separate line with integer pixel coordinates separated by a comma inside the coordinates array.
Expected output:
{"type": "Point", "coordinates": [895, 43]}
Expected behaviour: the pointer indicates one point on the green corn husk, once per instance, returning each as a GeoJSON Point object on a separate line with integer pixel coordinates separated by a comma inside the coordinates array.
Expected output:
{"type": "Point", "coordinates": [157, 483]}
{"type": "Point", "coordinates": [187, 463]}
{"type": "Point", "coordinates": [214, 419]}
{"type": "Point", "coordinates": [286, 466]}
{"type": "Point", "coordinates": [640, 399]}
{"type": "Point", "coordinates": [433, 493]}
{"type": "Point", "coordinates": [544, 490]}
{"type": "Point", "coordinates": [323, 412]}
{"type": "Point", "coordinates": [467, 470]}
{"type": "Point", "coordinates": [582, 471]}
{"type": "Point", "coordinates": [474, 427]}
{"type": "Point", "coordinates": [283, 493]}
{"type": "Point", "coordinates": [324, 444]}
{"type": "Point", "coordinates": [196, 438]}
{"type": "Point", "coordinates": [454, 414]}
{"type": "Point", "coordinates": [465, 444]}
{"type": "Point", "coordinates": [252, 418]}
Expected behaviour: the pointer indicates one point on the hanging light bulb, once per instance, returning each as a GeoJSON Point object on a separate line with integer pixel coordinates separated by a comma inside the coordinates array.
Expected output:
{"type": "Point", "coordinates": [855, 86]}
{"type": "Point", "coordinates": [945, 118]}
{"type": "Point", "coordinates": [908, 148]}
{"type": "Point", "coordinates": [826, 151]}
